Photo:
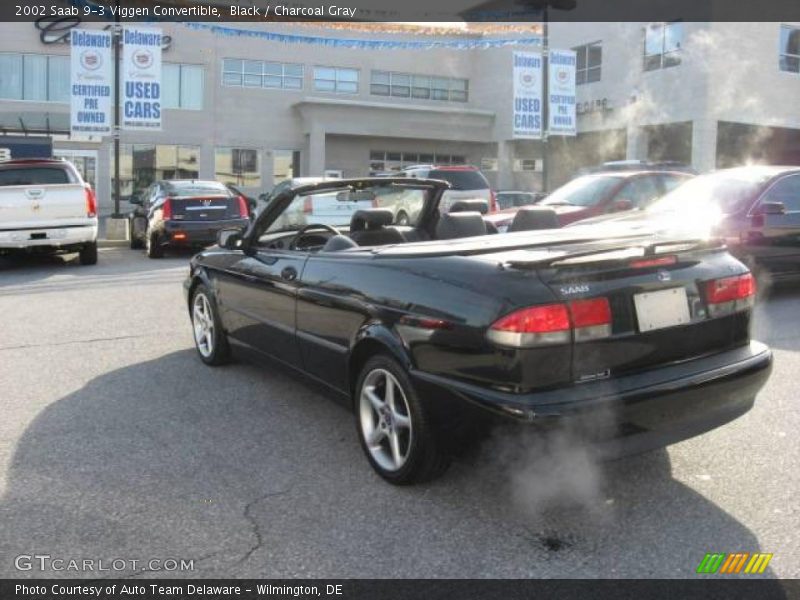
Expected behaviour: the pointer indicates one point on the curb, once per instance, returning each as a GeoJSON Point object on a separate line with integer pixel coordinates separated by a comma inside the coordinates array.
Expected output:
{"type": "Point", "coordinates": [112, 243]}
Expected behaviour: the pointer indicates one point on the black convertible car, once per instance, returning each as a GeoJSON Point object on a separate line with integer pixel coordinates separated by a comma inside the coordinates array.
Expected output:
{"type": "Point", "coordinates": [424, 338]}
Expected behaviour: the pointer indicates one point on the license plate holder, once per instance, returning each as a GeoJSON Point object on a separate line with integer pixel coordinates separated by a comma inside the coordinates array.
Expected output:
{"type": "Point", "coordinates": [662, 309]}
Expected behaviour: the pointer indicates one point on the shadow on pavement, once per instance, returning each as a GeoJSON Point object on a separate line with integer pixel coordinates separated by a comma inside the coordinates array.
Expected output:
{"type": "Point", "coordinates": [252, 473]}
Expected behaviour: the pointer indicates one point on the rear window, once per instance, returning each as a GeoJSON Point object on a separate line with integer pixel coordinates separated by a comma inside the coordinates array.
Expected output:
{"type": "Point", "coordinates": [198, 188]}
{"type": "Point", "coordinates": [461, 180]}
{"type": "Point", "coordinates": [33, 176]}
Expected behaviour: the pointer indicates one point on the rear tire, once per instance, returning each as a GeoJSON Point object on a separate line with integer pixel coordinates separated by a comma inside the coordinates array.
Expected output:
{"type": "Point", "coordinates": [394, 428]}
{"type": "Point", "coordinates": [210, 339]}
{"type": "Point", "coordinates": [153, 247]}
{"type": "Point", "coordinates": [402, 218]}
{"type": "Point", "coordinates": [136, 242]}
{"type": "Point", "coordinates": [88, 254]}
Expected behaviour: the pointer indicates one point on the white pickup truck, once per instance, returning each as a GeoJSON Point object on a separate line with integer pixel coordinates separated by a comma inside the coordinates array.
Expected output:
{"type": "Point", "coordinates": [45, 206]}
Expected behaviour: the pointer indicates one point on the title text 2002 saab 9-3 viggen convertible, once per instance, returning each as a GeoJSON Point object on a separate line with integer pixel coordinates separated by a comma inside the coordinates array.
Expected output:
{"type": "Point", "coordinates": [429, 327]}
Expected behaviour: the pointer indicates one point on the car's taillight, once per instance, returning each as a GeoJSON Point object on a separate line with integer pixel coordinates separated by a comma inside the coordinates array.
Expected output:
{"type": "Point", "coordinates": [91, 202]}
{"type": "Point", "coordinates": [553, 324]}
{"type": "Point", "coordinates": [244, 211]}
{"type": "Point", "coordinates": [730, 294]}
{"type": "Point", "coordinates": [166, 209]}
{"type": "Point", "coordinates": [492, 201]}
{"type": "Point", "coordinates": [308, 208]}
{"type": "Point", "coordinates": [591, 319]}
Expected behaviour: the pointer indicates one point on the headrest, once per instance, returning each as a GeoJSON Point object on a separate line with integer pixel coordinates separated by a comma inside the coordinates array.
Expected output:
{"type": "Point", "coordinates": [476, 205]}
{"type": "Point", "coordinates": [371, 218]}
{"type": "Point", "coordinates": [530, 218]}
{"type": "Point", "coordinates": [460, 225]}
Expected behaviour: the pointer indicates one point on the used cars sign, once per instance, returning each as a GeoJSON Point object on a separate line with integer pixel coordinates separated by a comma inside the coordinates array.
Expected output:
{"type": "Point", "coordinates": [141, 95]}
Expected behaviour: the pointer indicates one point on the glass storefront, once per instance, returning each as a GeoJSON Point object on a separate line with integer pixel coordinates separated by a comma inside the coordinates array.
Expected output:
{"type": "Point", "coordinates": [142, 164]}
{"type": "Point", "coordinates": [238, 166]}
{"type": "Point", "coordinates": [285, 165]}
{"type": "Point", "coordinates": [85, 162]}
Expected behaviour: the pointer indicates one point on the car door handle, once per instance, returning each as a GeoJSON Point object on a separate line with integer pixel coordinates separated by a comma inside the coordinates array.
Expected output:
{"type": "Point", "coordinates": [289, 274]}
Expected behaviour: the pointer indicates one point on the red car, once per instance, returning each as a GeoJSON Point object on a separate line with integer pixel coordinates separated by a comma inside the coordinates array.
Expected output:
{"type": "Point", "coordinates": [602, 193]}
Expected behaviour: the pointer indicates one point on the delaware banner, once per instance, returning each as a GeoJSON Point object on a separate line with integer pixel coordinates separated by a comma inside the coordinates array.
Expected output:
{"type": "Point", "coordinates": [561, 92]}
{"type": "Point", "coordinates": [141, 78]}
{"type": "Point", "coordinates": [527, 113]}
{"type": "Point", "coordinates": [91, 82]}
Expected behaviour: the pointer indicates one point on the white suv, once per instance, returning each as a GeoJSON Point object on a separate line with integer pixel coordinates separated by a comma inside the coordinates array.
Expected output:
{"type": "Point", "coordinates": [47, 207]}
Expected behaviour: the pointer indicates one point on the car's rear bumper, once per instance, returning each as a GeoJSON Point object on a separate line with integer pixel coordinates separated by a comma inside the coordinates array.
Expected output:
{"type": "Point", "coordinates": [641, 411]}
{"type": "Point", "coordinates": [197, 233]}
{"type": "Point", "coordinates": [48, 237]}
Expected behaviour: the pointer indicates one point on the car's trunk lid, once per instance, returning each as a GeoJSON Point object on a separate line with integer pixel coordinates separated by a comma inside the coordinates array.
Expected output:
{"type": "Point", "coordinates": [659, 313]}
{"type": "Point", "coordinates": [205, 208]}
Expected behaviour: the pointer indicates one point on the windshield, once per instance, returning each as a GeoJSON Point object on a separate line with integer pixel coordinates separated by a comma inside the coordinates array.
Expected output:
{"type": "Point", "coordinates": [337, 207]}
{"type": "Point", "coordinates": [725, 191]}
{"type": "Point", "coordinates": [33, 176]}
{"type": "Point", "coordinates": [583, 191]}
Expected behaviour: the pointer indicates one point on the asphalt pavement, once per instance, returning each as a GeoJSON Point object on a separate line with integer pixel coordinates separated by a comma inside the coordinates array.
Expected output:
{"type": "Point", "coordinates": [116, 442]}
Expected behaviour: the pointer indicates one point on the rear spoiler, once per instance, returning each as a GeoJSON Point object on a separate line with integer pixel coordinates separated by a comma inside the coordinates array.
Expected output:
{"type": "Point", "coordinates": [617, 251]}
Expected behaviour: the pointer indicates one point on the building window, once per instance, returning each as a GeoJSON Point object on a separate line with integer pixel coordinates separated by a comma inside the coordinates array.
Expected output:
{"type": "Point", "coordinates": [406, 85]}
{"type": "Point", "coordinates": [335, 79]}
{"type": "Point", "coordinates": [238, 166]}
{"type": "Point", "coordinates": [37, 77]}
{"type": "Point", "coordinates": [662, 45]}
{"type": "Point", "coordinates": [383, 161]}
{"type": "Point", "coordinates": [261, 74]}
{"type": "Point", "coordinates": [142, 164]}
{"type": "Point", "coordinates": [590, 60]}
{"type": "Point", "coordinates": [790, 49]}
{"type": "Point", "coordinates": [182, 86]}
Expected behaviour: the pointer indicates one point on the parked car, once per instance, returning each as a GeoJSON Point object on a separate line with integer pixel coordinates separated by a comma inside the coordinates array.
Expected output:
{"type": "Point", "coordinates": [466, 183]}
{"type": "Point", "coordinates": [646, 336]}
{"type": "Point", "coordinates": [47, 207]}
{"type": "Point", "coordinates": [602, 193]}
{"type": "Point", "coordinates": [252, 203]}
{"type": "Point", "coordinates": [184, 212]}
{"type": "Point", "coordinates": [640, 165]}
{"type": "Point", "coordinates": [755, 209]}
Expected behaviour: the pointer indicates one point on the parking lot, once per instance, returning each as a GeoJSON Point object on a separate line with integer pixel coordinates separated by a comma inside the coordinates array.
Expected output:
{"type": "Point", "coordinates": [117, 442]}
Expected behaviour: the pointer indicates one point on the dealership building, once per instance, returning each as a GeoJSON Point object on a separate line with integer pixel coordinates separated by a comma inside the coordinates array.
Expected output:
{"type": "Point", "coordinates": [254, 108]}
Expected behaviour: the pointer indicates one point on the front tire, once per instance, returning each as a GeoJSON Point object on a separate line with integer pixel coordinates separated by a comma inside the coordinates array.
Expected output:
{"type": "Point", "coordinates": [209, 338]}
{"type": "Point", "coordinates": [393, 426]}
{"type": "Point", "coordinates": [402, 218]}
{"type": "Point", "coordinates": [88, 254]}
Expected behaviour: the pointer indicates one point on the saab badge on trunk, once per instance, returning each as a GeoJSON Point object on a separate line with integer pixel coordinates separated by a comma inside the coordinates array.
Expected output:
{"type": "Point", "coordinates": [664, 275]}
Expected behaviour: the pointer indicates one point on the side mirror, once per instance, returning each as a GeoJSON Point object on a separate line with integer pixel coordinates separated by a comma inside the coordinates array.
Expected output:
{"type": "Point", "coordinates": [135, 199]}
{"type": "Point", "coordinates": [230, 239]}
{"type": "Point", "coordinates": [621, 204]}
{"type": "Point", "coordinates": [772, 208]}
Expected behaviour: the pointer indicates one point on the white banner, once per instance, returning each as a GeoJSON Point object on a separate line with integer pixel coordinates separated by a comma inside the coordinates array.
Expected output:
{"type": "Point", "coordinates": [141, 78]}
{"type": "Point", "coordinates": [561, 92]}
{"type": "Point", "coordinates": [527, 113]}
{"type": "Point", "coordinates": [91, 82]}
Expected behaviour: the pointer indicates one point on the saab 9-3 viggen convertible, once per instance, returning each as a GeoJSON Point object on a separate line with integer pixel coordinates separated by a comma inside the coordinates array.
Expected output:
{"type": "Point", "coordinates": [428, 327]}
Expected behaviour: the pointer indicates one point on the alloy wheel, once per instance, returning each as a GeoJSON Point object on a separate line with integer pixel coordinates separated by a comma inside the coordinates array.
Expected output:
{"type": "Point", "coordinates": [203, 322]}
{"type": "Point", "coordinates": [385, 420]}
